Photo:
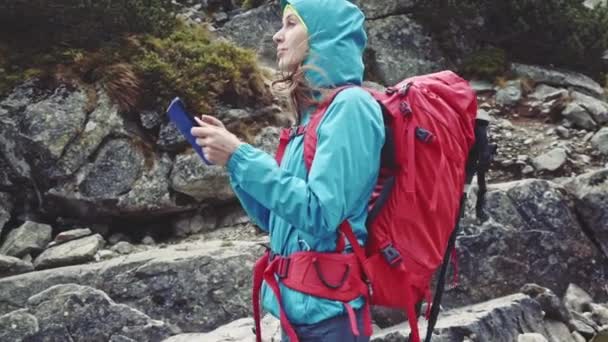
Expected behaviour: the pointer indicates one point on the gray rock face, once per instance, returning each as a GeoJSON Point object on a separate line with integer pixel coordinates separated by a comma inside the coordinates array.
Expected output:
{"type": "Point", "coordinates": [70, 253]}
{"type": "Point", "coordinates": [550, 161]}
{"type": "Point", "coordinates": [533, 236]}
{"type": "Point", "coordinates": [66, 313]}
{"type": "Point", "coordinates": [192, 177]}
{"type": "Point", "coordinates": [101, 122]}
{"type": "Point", "coordinates": [254, 30]}
{"type": "Point", "coordinates": [596, 108]}
{"type": "Point", "coordinates": [559, 78]}
{"type": "Point", "coordinates": [31, 237]}
{"type": "Point", "coordinates": [502, 319]}
{"type": "Point", "coordinates": [10, 266]}
{"type": "Point", "coordinates": [72, 234]}
{"type": "Point", "coordinates": [591, 191]}
{"type": "Point", "coordinates": [18, 326]}
{"type": "Point", "coordinates": [600, 141]}
{"type": "Point", "coordinates": [399, 48]}
{"type": "Point", "coordinates": [236, 331]}
{"type": "Point", "coordinates": [579, 116]}
{"type": "Point", "coordinates": [114, 171]}
{"type": "Point", "coordinates": [6, 206]}
{"type": "Point", "coordinates": [268, 139]}
{"type": "Point", "coordinates": [510, 95]}
{"type": "Point", "coordinates": [377, 9]}
{"type": "Point", "coordinates": [197, 286]}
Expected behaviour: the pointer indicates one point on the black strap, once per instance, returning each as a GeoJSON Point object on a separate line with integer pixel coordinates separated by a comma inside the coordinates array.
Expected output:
{"type": "Point", "coordinates": [441, 280]}
{"type": "Point", "coordinates": [481, 156]}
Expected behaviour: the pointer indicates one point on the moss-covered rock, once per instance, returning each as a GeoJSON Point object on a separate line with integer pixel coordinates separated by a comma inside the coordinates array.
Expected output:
{"type": "Point", "coordinates": [147, 70]}
{"type": "Point", "coordinates": [487, 63]}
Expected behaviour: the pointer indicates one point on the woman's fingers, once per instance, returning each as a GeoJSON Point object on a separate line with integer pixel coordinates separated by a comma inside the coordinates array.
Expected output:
{"type": "Point", "coordinates": [211, 120]}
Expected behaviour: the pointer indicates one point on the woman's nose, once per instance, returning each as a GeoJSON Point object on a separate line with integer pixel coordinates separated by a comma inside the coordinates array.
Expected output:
{"type": "Point", "coordinates": [278, 37]}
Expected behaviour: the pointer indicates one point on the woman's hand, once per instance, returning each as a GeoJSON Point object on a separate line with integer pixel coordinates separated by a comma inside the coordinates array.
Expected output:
{"type": "Point", "coordinates": [217, 142]}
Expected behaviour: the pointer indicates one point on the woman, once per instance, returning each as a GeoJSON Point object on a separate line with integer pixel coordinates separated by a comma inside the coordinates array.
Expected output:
{"type": "Point", "coordinates": [319, 47]}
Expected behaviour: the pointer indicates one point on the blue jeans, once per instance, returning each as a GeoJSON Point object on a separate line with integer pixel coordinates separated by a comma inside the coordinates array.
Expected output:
{"type": "Point", "coordinates": [335, 329]}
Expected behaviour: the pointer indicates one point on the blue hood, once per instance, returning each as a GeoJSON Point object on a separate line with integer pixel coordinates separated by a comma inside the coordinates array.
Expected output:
{"type": "Point", "coordinates": [337, 39]}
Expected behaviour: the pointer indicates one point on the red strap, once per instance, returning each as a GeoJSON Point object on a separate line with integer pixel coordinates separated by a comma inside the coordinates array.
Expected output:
{"type": "Point", "coordinates": [429, 303]}
{"type": "Point", "coordinates": [411, 160]}
{"type": "Point", "coordinates": [352, 318]}
{"type": "Point", "coordinates": [410, 311]}
{"type": "Point", "coordinates": [269, 277]}
{"type": "Point", "coordinates": [310, 139]}
{"type": "Point", "coordinates": [283, 141]}
{"type": "Point", "coordinates": [258, 276]}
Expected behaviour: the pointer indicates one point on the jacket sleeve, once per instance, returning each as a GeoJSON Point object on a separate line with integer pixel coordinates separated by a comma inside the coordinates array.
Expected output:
{"type": "Point", "coordinates": [344, 169]}
{"type": "Point", "coordinates": [254, 209]}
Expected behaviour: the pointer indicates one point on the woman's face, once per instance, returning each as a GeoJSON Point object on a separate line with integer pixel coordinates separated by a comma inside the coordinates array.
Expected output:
{"type": "Point", "coordinates": [292, 42]}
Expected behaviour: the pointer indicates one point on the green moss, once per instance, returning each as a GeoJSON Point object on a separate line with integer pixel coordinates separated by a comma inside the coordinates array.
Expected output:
{"type": "Point", "coordinates": [485, 64]}
{"type": "Point", "coordinates": [189, 64]}
{"type": "Point", "coordinates": [184, 62]}
{"type": "Point", "coordinates": [249, 4]}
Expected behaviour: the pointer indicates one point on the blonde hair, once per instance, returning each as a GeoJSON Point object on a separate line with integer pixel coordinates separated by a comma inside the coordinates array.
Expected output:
{"type": "Point", "coordinates": [299, 93]}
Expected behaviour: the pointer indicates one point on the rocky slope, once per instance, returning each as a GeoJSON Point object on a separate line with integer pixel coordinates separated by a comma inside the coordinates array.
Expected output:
{"type": "Point", "coordinates": [111, 229]}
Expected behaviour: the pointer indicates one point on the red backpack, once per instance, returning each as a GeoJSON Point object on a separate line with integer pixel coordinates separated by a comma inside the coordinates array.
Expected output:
{"type": "Point", "coordinates": [431, 129]}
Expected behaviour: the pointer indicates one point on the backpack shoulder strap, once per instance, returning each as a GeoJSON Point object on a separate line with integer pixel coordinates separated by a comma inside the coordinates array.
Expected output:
{"type": "Point", "coordinates": [310, 136]}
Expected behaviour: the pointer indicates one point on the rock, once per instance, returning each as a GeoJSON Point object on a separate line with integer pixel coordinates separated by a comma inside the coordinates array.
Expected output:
{"type": "Point", "coordinates": [549, 302]}
{"type": "Point", "coordinates": [233, 218]}
{"type": "Point", "coordinates": [192, 177]}
{"type": "Point", "coordinates": [550, 161]}
{"type": "Point", "coordinates": [18, 326]}
{"type": "Point", "coordinates": [123, 247]}
{"type": "Point", "coordinates": [557, 332]}
{"type": "Point", "coordinates": [546, 93]}
{"type": "Point", "coordinates": [578, 337]}
{"type": "Point", "coordinates": [14, 165]}
{"type": "Point", "coordinates": [30, 237]}
{"type": "Point", "coordinates": [6, 206]}
{"type": "Point", "coordinates": [531, 337]}
{"type": "Point", "coordinates": [239, 330]}
{"type": "Point", "coordinates": [562, 132]}
{"type": "Point", "coordinates": [482, 86]}
{"type": "Point", "coordinates": [200, 222]}
{"type": "Point", "coordinates": [558, 78]}
{"type": "Point", "coordinates": [104, 254]}
{"type": "Point", "coordinates": [70, 253]}
{"type": "Point", "coordinates": [577, 299]}
{"type": "Point", "coordinates": [254, 30]}
{"type": "Point", "coordinates": [583, 325]}
{"type": "Point", "coordinates": [150, 193]}
{"type": "Point", "coordinates": [66, 311]}
{"type": "Point", "coordinates": [195, 286]}
{"type": "Point", "coordinates": [579, 116]}
{"type": "Point", "coordinates": [509, 95]}
{"type": "Point", "coordinates": [103, 121]}
{"type": "Point", "coordinates": [150, 119]}
{"type": "Point", "coordinates": [532, 235]}
{"type": "Point", "coordinates": [600, 141]}
{"type": "Point", "coordinates": [148, 240]}
{"type": "Point", "coordinates": [596, 108]}
{"type": "Point", "coordinates": [114, 171]}
{"type": "Point", "coordinates": [10, 266]}
{"type": "Point", "coordinates": [72, 235]}
{"type": "Point", "coordinates": [117, 237]}
{"type": "Point", "coordinates": [379, 9]}
{"type": "Point", "coordinates": [268, 139]}
{"type": "Point", "coordinates": [590, 190]}
{"type": "Point", "coordinates": [501, 319]}
{"type": "Point", "coordinates": [170, 138]}
{"type": "Point", "coordinates": [599, 313]}
{"type": "Point", "coordinates": [398, 47]}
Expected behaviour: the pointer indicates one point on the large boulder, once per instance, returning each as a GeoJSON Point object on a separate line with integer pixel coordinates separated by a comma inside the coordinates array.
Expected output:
{"type": "Point", "coordinates": [70, 312]}
{"type": "Point", "coordinates": [196, 287]}
{"type": "Point", "coordinates": [533, 235]}
{"type": "Point", "coordinates": [398, 47]}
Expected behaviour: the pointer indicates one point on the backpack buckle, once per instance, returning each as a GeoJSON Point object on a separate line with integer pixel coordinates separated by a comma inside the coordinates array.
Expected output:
{"type": "Point", "coordinates": [283, 267]}
{"type": "Point", "coordinates": [423, 135]}
{"type": "Point", "coordinates": [391, 255]}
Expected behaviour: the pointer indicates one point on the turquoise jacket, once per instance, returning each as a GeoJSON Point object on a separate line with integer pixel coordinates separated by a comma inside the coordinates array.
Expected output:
{"type": "Point", "coordinates": [303, 211]}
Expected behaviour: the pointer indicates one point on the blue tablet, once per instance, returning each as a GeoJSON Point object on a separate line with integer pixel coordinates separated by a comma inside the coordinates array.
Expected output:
{"type": "Point", "coordinates": [184, 121]}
